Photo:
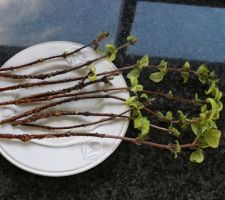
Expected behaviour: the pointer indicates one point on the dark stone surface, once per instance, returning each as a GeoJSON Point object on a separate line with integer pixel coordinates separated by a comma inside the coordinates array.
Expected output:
{"type": "Point", "coordinates": [132, 172]}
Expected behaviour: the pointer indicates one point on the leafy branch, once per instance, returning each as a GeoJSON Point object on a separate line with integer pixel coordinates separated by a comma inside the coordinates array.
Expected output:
{"type": "Point", "coordinates": [202, 125]}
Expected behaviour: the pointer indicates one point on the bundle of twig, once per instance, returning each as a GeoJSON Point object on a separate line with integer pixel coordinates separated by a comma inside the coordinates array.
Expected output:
{"type": "Point", "coordinates": [204, 126]}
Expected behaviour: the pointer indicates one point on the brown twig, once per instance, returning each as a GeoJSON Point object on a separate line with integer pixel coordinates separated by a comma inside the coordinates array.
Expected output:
{"type": "Point", "coordinates": [58, 113]}
{"type": "Point", "coordinates": [79, 86]}
{"type": "Point", "coordinates": [48, 98]}
{"type": "Point", "coordinates": [95, 42]}
{"type": "Point", "coordinates": [56, 73]}
{"type": "Point", "coordinates": [79, 125]}
{"type": "Point", "coordinates": [50, 74]}
{"type": "Point", "coordinates": [65, 80]}
{"type": "Point", "coordinates": [182, 100]}
{"type": "Point", "coordinates": [53, 95]}
{"type": "Point", "coordinates": [28, 137]}
{"type": "Point", "coordinates": [53, 104]}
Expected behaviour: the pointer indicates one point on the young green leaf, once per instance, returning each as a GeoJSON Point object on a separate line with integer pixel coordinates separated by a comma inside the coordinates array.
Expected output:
{"type": "Point", "coordinates": [92, 75]}
{"type": "Point", "coordinates": [132, 39]}
{"type": "Point", "coordinates": [218, 94]}
{"type": "Point", "coordinates": [142, 124]}
{"type": "Point", "coordinates": [177, 149]}
{"type": "Point", "coordinates": [160, 114]}
{"type": "Point", "coordinates": [202, 73]}
{"type": "Point", "coordinates": [185, 71]}
{"type": "Point", "coordinates": [186, 66]}
{"type": "Point", "coordinates": [169, 116]}
{"type": "Point", "coordinates": [110, 47]}
{"type": "Point", "coordinates": [197, 156]}
{"type": "Point", "coordinates": [212, 124]}
{"type": "Point", "coordinates": [202, 69]}
{"type": "Point", "coordinates": [137, 88]}
{"type": "Point", "coordinates": [204, 108]}
{"type": "Point", "coordinates": [195, 129]}
{"type": "Point", "coordinates": [156, 77]}
{"type": "Point", "coordinates": [212, 88]}
{"type": "Point", "coordinates": [135, 73]}
{"type": "Point", "coordinates": [214, 107]}
{"type": "Point", "coordinates": [174, 131]}
{"type": "Point", "coordinates": [170, 94]}
{"type": "Point", "coordinates": [163, 66]}
{"type": "Point", "coordinates": [112, 56]}
{"type": "Point", "coordinates": [219, 106]}
{"type": "Point", "coordinates": [133, 80]}
{"type": "Point", "coordinates": [144, 96]}
{"type": "Point", "coordinates": [143, 62]}
{"type": "Point", "coordinates": [212, 137]}
{"type": "Point", "coordinates": [134, 103]}
{"type": "Point", "coordinates": [111, 52]}
{"type": "Point", "coordinates": [130, 100]}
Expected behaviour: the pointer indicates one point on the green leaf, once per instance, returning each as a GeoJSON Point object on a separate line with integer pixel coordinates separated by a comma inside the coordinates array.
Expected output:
{"type": "Point", "coordinates": [202, 116]}
{"type": "Point", "coordinates": [212, 137]}
{"type": "Point", "coordinates": [130, 100]}
{"type": "Point", "coordinates": [212, 124]}
{"type": "Point", "coordinates": [137, 88]}
{"type": "Point", "coordinates": [185, 76]}
{"type": "Point", "coordinates": [133, 80]}
{"type": "Point", "coordinates": [143, 62]}
{"type": "Point", "coordinates": [134, 103]}
{"type": "Point", "coordinates": [185, 71]}
{"type": "Point", "coordinates": [135, 73]}
{"type": "Point", "coordinates": [92, 76]}
{"type": "Point", "coordinates": [136, 113]}
{"type": "Point", "coordinates": [218, 94]}
{"type": "Point", "coordinates": [202, 73]}
{"type": "Point", "coordinates": [202, 143]}
{"type": "Point", "coordinates": [203, 108]}
{"type": "Point", "coordinates": [212, 88]}
{"type": "Point", "coordinates": [203, 80]}
{"type": "Point", "coordinates": [138, 123]}
{"type": "Point", "coordinates": [198, 129]}
{"type": "Point", "coordinates": [170, 94]}
{"type": "Point", "coordinates": [174, 131]}
{"type": "Point", "coordinates": [160, 114]}
{"type": "Point", "coordinates": [219, 106]}
{"type": "Point", "coordinates": [142, 124]}
{"type": "Point", "coordinates": [181, 113]}
{"type": "Point", "coordinates": [197, 156]}
{"type": "Point", "coordinates": [177, 149]}
{"type": "Point", "coordinates": [186, 66]}
{"type": "Point", "coordinates": [195, 129]}
{"type": "Point", "coordinates": [144, 96]}
{"type": "Point", "coordinates": [112, 56]}
{"type": "Point", "coordinates": [169, 115]}
{"type": "Point", "coordinates": [111, 52]}
{"type": "Point", "coordinates": [216, 116]}
{"type": "Point", "coordinates": [202, 69]}
{"type": "Point", "coordinates": [132, 39]}
{"type": "Point", "coordinates": [156, 77]}
{"type": "Point", "coordinates": [196, 97]}
{"type": "Point", "coordinates": [163, 66]}
{"type": "Point", "coordinates": [213, 107]}
{"type": "Point", "coordinates": [110, 47]}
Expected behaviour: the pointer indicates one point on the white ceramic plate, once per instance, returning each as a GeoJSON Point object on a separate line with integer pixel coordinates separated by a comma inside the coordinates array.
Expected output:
{"type": "Point", "coordinates": [64, 156]}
